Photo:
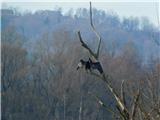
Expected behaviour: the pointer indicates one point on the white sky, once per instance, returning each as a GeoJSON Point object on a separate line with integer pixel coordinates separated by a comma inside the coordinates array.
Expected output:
{"type": "Point", "coordinates": [127, 8]}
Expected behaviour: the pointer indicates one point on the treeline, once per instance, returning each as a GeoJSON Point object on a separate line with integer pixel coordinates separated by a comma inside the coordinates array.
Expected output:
{"type": "Point", "coordinates": [113, 30]}
{"type": "Point", "coordinates": [39, 57]}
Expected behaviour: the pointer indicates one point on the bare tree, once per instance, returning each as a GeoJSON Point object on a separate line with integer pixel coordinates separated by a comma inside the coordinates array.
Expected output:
{"type": "Point", "coordinates": [125, 113]}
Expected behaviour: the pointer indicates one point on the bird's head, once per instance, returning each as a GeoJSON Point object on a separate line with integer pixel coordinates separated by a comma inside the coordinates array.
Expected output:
{"type": "Point", "coordinates": [80, 64]}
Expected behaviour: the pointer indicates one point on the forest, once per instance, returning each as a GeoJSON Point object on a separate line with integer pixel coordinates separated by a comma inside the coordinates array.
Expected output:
{"type": "Point", "coordinates": [39, 56]}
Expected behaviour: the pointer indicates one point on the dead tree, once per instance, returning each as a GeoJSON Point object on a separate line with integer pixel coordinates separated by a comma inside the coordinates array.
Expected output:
{"type": "Point", "coordinates": [125, 114]}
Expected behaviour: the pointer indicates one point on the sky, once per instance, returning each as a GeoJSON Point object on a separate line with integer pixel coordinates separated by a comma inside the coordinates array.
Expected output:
{"type": "Point", "coordinates": [124, 8]}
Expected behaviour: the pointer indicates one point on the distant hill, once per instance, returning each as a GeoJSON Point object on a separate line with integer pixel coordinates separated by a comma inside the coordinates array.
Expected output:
{"type": "Point", "coordinates": [113, 30]}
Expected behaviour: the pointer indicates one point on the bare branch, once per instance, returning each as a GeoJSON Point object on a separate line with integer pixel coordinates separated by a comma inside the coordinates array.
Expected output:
{"type": "Point", "coordinates": [145, 114]}
{"type": "Point", "coordinates": [95, 55]}
{"type": "Point", "coordinates": [102, 103]}
{"type": "Point", "coordinates": [94, 30]}
{"type": "Point", "coordinates": [122, 113]}
{"type": "Point", "coordinates": [134, 106]}
{"type": "Point", "coordinates": [122, 93]}
{"type": "Point", "coordinates": [120, 103]}
{"type": "Point", "coordinates": [157, 12]}
{"type": "Point", "coordinates": [91, 21]}
{"type": "Point", "coordinates": [85, 45]}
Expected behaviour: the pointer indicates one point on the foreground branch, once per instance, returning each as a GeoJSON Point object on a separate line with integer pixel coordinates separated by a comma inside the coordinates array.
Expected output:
{"type": "Point", "coordinates": [123, 93]}
{"type": "Point", "coordinates": [135, 104]}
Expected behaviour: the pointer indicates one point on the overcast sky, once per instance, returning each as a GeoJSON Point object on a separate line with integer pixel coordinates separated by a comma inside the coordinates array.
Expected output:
{"type": "Point", "coordinates": [126, 8]}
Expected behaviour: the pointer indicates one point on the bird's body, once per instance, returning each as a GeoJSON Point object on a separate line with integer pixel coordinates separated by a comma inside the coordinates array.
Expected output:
{"type": "Point", "coordinates": [90, 65]}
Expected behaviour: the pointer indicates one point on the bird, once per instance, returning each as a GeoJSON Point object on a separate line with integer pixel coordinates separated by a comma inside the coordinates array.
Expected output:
{"type": "Point", "coordinates": [90, 65]}
{"type": "Point", "coordinates": [85, 64]}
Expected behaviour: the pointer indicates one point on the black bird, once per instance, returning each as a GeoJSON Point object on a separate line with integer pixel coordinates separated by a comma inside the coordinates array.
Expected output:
{"type": "Point", "coordinates": [85, 64]}
{"type": "Point", "coordinates": [90, 65]}
{"type": "Point", "coordinates": [96, 65]}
